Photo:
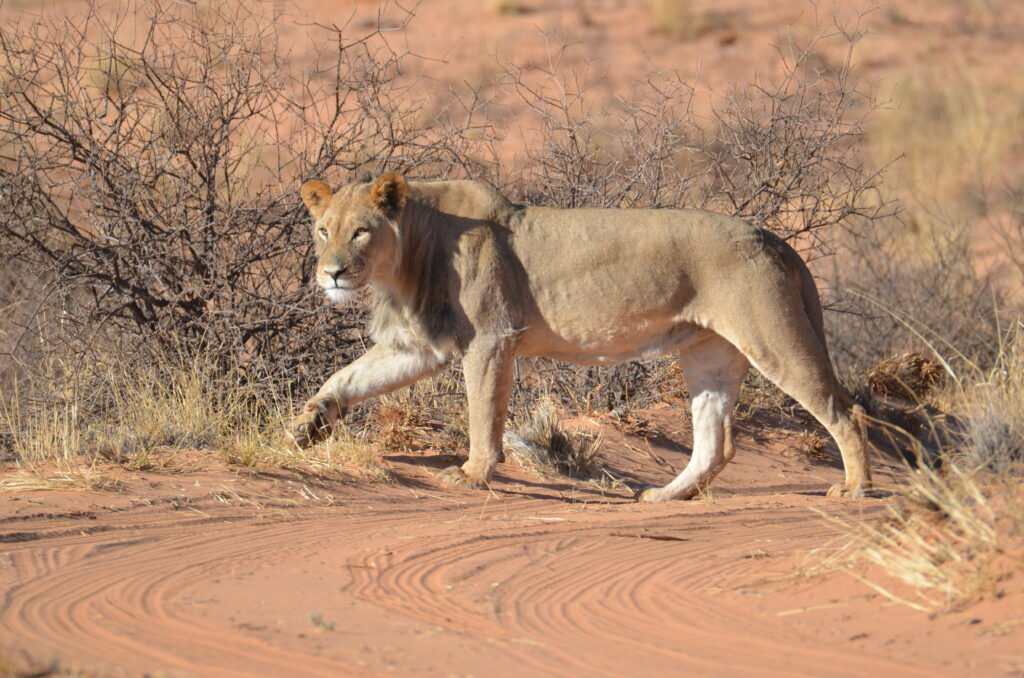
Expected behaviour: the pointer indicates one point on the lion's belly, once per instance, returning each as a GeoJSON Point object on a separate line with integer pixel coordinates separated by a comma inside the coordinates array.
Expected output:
{"type": "Point", "coordinates": [607, 286]}
{"type": "Point", "coordinates": [601, 349]}
{"type": "Point", "coordinates": [609, 314]}
{"type": "Point", "coordinates": [604, 340]}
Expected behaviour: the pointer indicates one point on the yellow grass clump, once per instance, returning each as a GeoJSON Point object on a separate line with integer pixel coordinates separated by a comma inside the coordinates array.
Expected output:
{"type": "Point", "coordinates": [140, 415]}
{"type": "Point", "coordinates": [958, 533]}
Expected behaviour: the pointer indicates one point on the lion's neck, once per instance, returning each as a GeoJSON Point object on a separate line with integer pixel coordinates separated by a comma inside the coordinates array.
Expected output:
{"type": "Point", "coordinates": [416, 297]}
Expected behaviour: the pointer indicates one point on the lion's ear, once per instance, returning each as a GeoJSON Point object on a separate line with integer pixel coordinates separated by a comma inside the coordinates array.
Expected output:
{"type": "Point", "coordinates": [317, 195]}
{"type": "Point", "coordinates": [388, 193]}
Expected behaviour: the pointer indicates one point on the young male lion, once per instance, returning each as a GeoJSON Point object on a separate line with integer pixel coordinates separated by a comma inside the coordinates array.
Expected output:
{"type": "Point", "coordinates": [459, 271]}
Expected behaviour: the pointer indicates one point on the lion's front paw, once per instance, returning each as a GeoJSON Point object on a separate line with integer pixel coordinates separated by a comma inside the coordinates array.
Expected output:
{"type": "Point", "coordinates": [454, 475]}
{"type": "Point", "coordinates": [858, 491]}
{"type": "Point", "coordinates": [310, 427]}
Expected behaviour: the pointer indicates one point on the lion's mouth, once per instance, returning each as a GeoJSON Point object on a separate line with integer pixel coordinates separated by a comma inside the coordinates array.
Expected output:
{"type": "Point", "coordinates": [341, 292]}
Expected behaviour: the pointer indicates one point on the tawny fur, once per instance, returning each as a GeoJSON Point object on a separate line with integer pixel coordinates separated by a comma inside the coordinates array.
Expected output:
{"type": "Point", "coordinates": [460, 272]}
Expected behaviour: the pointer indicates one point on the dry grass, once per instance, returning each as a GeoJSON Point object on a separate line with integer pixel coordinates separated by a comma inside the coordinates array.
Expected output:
{"type": "Point", "coordinates": [19, 664]}
{"type": "Point", "coordinates": [151, 410]}
{"type": "Point", "coordinates": [507, 6]}
{"type": "Point", "coordinates": [682, 19]}
{"type": "Point", "coordinates": [958, 533]}
{"type": "Point", "coordinates": [399, 424]}
{"type": "Point", "coordinates": [813, 446]}
{"type": "Point", "coordinates": [541, 445]}
{"type": "Point", "coordinates": [76, 478]}
{"type": "Point", "coordinates": [955, 133]}
{"type": "Point", "coordinates": [924, 312]}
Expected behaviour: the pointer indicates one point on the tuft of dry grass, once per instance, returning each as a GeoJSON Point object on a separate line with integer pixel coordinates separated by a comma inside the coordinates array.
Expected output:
{"type": "Point", "coordinates": [542, 445]}
{"type": "Point", "coordinates": [399, 425]}
{"type": "Point", "coordinates": [814, 446]}
{"type": "Point", "coordinates": [29, 479]}
{"type": "Point", "coordinates": [349, 453]}
{"type": "Point", "coordinates": [909, 376]}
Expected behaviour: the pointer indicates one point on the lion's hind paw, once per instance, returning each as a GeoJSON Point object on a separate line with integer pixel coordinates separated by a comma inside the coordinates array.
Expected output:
{"type": "Point", "coordinates": [859, 491]}
{"type": "Point", "coordinates": [454, 475]}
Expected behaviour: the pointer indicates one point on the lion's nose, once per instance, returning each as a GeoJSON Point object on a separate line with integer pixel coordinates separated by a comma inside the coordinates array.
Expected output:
{"type": "Point", "coordinates": [335, 271]}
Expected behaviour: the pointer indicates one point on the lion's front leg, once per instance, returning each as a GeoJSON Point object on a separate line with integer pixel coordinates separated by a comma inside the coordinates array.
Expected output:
{"type": "Point", "coordinates": [380, 370]}
{"type": "Point", "coordinates": [489, 369]}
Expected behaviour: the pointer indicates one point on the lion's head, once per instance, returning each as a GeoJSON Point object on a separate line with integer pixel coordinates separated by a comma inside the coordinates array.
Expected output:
{"type": "Point", "coordinates": [356, 233]}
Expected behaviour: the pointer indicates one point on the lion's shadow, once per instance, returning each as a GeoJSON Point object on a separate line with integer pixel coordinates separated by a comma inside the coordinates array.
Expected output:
{"type": "Point", "coordinates": [569, 490]}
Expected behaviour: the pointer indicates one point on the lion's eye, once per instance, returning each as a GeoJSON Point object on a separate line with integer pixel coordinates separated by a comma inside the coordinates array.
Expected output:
{"type": "Point", "coordinates": [323, 233]}
{"type": "Point", "coordinates": [359, 231]}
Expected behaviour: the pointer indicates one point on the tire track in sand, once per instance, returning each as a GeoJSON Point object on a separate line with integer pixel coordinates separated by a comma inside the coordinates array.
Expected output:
{"type": "Point", "coordinates": [591, 600]}
{"type": "Point", "coordinates": [578, 592]}
{"type": "Point", "coordinates": [109, 603]}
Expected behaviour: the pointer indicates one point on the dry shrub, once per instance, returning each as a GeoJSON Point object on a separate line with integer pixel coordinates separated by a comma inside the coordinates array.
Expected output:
{"type": "Point", "coordinates": [958, 534]}
{"type": "Point", "coordinates": [540, 444]}
{"type": "Point", "coordinates": [781, 153]}
{"type": "Point", "coordinates": [901, 291]}
{"type": "Point", "coordinates": [154, 180]}
{"type": "Point", "coordinates": [909, 376]}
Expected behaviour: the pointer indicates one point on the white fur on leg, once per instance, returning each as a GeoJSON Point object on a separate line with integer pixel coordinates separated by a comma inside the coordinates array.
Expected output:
{"type": "Point", "coordinates": [714, 376]}
{"type": "Point", "coordinates": [710, 409]}
{"type": "Point", "coordinates": [380, 370]}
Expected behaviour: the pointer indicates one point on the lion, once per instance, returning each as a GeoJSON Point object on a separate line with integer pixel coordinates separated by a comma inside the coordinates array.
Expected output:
{"type": "Point", "coordinates": [459, 271]}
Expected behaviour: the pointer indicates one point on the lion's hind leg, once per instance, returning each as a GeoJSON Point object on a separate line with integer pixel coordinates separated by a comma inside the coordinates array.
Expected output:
{"type": "Point", "coordinates": [796, 361]}
{"type": "Point", "coordinates": [714, 372]}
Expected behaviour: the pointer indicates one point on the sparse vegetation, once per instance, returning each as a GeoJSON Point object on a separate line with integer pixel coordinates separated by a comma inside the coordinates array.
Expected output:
{"type": "Point", "coordinates": [156, 300]}
{"type": "Point", "coordinates": [958, 532]}
{"type": "Point", "coordinates": [541, 444]}
{"type": "Point", "coordinates": [321, 624]}
{"type": "Point", "coordinates": [677, 18]}
{"type": "Point", "coordinates": [140, 415]}
{"type": "Point", "coordinates": [149, 194]}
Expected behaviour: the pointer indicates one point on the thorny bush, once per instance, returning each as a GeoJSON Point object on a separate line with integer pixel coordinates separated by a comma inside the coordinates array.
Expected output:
{"type": "Point", "coordinates": [149, 163]}
{"type": "Point", "coordinates": [150, 181]}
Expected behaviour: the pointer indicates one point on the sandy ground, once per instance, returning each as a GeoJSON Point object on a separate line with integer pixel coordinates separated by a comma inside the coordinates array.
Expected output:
{"type": "Point", "coordinates": [220, 573]}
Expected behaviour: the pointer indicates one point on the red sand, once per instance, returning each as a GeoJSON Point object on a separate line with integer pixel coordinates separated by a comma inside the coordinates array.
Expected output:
{"type": "Point", "coordinates": [216, 573]}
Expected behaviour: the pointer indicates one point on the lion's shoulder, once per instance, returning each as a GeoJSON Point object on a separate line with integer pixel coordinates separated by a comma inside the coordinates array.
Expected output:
{"type": "Point", "coordinates": [463, 199]}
